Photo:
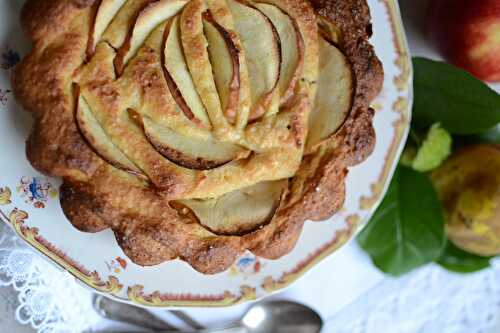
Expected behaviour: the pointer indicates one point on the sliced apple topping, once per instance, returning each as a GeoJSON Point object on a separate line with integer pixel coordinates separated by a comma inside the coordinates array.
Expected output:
{"type": "Point", "coordinates": [334, 96]}
{"type": "Point", "coordinates": [188, 152]}
{"type": "Point", "coordinates": [105, 13]}
{"type": "Point", "coordinates": [330, 30]}
{"type": "Point", "coordinates": [179, 79]}
{"type": "Point", "coordinates": [219, 10]}
{"type": "Point", "coordinates": [195, 46]}
{"type": "Point", "coordinates": [99, 140]}
{"type": "Point", "coordinates": [292, 48]}
{"type": "Point", "coordinates": [225, 65]}
{"type": "Point", "coordinates": [147, 20]}
{"type": "Point", "coordinates": [241, 211]}
{"type": "Point", "coordinates": [261, 45]}
{"type": "Point", "coordinates": [118, 30]}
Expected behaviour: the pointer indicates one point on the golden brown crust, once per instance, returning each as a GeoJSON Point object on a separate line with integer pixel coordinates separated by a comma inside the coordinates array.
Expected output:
{"type": "Point", "coordinates": [96, 196]}
{"type": "Point", "coordinates": [79, 207]}
{"type": "Point", "coordinates": [353, 19]}
{"type": "Point", "coordinates": [42, 19]}
{"type": "Point", "coordinates": [40, 83]}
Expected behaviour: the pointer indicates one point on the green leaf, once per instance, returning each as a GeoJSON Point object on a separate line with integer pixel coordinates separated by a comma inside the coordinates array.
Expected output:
{"type": "Point", "coordinates": [407, 230]}
{"type": "Point", "coordinates": [491, 136]}
{"type": "Point", "coordinates": [450, 96]}
{"type": "Point", "coordinates": [457, 260]}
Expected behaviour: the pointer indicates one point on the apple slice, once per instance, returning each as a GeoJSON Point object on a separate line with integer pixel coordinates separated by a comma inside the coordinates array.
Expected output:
{"type": "Point", "coordinates": [195, 45]}
{"type": "Point", "coordinates": [260, 42]}
{"type": "Point", "coordinates": [188, 152]}
{"type": "Point", "coordinates": [99, 140]}
{"type": "Point", "coordinates": [292, 48]}
{"type": "Point", "coordinates": [179, 79]}
{"type": "Point", "coordinates": [241, 211]}
{"type": "Point", "coordinates": [118, 30]}
{"type": "Point", "coordinates": [147, 20]}
{"type": "Point", "coordinates": [105, 13]}
{"type": "Point", "coordinates": [225, 61]}
{"type": "Point", "coordinates": [334, 96]}
{"type": "Point", "coordinates": [221, 14]}
{"type": "Point", "coordinates": [329, 30]}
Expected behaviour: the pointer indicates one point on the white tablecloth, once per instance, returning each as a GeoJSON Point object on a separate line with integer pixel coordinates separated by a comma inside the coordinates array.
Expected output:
{"type": "Point", "coordinates": [348, 292]}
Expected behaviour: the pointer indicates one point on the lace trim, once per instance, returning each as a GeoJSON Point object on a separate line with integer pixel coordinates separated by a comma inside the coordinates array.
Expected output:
{"type": "Point", "coordinates": [48, 299]}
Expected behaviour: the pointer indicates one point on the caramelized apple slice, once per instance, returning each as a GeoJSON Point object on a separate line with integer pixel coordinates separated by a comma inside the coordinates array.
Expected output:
{"type": "Point", "coordinates": [123, 22]}
{"type": "Point", "coordinates": [330, 30]}
{"type": "Point", "coordinates": [99, 140]}
{"type": "Point", "coordinates": [225, 65]}
{"type": "Point", "coordinates": [179, 79]}
{"type": "Point", "coordinates": [195, 45]}
{"type": "Point", "coordinates": [221, 14]}
{"type": "Point", "coordinates": [335, 94]}
{"type": "Point", "coordinates": [261, 46]}
{"type": "Point", "coordinates": [188, 152]}
{"type": "Point", "coordinates": [241, 211]}
{"type": "Point", "coordinates": [292, 48]}
{"type": "Point", "coordinates": [147, 20]}
{"type": "Point", "coordinates": [106, 11]}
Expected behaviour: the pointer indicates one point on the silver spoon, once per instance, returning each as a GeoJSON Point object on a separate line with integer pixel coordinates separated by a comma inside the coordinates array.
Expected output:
{"type": "Point", "coordinates": [112, 310]}
{"type": "Point", "coordinates": [271, 317]}
{"type": "Point", "coordinates": [278, 317]}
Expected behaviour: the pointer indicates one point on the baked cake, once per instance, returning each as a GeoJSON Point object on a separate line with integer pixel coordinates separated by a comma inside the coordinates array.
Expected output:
{"type": "Point", "coordinates": [199, 129]}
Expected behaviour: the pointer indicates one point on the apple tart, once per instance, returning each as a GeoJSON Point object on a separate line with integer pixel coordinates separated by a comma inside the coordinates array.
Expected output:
{"type": "Point", "coordinates": [199, 129]}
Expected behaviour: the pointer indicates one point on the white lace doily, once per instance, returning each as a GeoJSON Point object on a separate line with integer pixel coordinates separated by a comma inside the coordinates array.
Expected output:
{"type": "Point", "coordinates": [48, 299]}
{"type": "Point", "coordinates": [429, 300]}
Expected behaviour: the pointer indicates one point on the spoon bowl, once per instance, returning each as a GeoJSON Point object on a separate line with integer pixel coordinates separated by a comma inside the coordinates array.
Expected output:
{"type": "Point", "coordinates": [281, 317]}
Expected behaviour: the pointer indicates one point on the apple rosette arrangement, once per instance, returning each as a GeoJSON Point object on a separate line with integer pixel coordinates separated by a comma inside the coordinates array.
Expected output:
{"type": "Point", "coordinates": [199, 129]}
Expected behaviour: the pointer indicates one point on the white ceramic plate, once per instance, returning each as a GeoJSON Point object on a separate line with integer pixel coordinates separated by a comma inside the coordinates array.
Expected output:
{"type": "Point", "coordinates": [29, 201]}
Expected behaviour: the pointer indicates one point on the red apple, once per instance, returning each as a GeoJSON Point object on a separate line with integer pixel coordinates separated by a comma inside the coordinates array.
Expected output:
{"type": "Point", "coordinates": [467, 34]}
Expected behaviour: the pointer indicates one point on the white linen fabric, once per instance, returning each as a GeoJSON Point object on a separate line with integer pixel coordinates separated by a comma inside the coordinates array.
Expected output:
{"type": "Point", "coordinates": [430, 300]}
{"type": "Point", "coordinates": [427, 300]}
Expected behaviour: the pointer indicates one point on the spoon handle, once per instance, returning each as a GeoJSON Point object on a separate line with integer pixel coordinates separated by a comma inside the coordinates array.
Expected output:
{"type": "Point", "coordinates": [187, 319]}
{"type": "Point", "coordinates": [224, 330]}
{"type": "Point", "coordinates": [129, 314]}
{"type": "Point", "coordinates": [227, 330]}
